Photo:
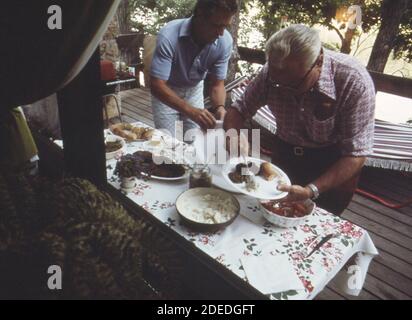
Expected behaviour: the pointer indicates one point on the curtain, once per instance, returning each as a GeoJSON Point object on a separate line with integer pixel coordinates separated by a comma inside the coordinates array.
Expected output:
{"type": "Point", "coordinates": [36, 61]}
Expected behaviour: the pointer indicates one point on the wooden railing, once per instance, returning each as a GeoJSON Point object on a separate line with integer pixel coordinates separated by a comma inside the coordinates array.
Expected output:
{"type": "Point", "coordinates": [383, 82]}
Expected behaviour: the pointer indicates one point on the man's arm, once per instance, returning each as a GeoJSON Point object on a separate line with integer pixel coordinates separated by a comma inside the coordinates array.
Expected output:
{"type": "Point", "coordinates": [164, 93]}
{"type": "Point", "coordinates": [217, 95]}
{"type": "Point", "coordinates": [341, 171]}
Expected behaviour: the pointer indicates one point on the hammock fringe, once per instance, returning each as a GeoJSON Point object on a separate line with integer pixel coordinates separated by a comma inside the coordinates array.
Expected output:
{"type": "Point", "coordinates": [389, 164]}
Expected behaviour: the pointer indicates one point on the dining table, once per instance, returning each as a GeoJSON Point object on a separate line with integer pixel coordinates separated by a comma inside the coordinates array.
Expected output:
{"type": "Point", "coordinates": [279, 263]}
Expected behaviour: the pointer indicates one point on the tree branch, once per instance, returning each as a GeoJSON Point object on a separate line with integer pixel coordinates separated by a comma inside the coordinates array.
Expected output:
{"type": "Point", "coordinates": [337, 31]}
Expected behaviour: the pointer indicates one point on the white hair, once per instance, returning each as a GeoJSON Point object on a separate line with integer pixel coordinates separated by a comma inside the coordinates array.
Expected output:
{"type": "Point", "coordinates": [297, 40]}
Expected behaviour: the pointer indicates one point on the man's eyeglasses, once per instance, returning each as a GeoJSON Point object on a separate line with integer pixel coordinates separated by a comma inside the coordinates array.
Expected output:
{"type": "Point", "coordinates": [297, 87]}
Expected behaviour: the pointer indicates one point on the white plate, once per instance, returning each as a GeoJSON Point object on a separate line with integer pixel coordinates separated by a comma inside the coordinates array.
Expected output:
{"type": "Point", "coordinates": [168, 160]}
{"type": "Point", "coordinates": [219, 181]}
{"type": "Point", "coordinates": [169, 179]}
{"type": "Point", "coordinates": [267, 190]}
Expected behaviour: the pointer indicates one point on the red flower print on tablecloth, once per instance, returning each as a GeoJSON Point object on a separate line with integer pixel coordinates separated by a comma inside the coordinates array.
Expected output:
{"type": "Point", "coordinates": [357, 234]}
{"type": "Point", "coordinates": [346, 228]}
{"type": "Point", "coordinates": [166, 205]}
{"type": "Point", "coordinates": [306, 228]}
{"type": "Point", "coordinates": [307, 284]}
{"type": "Point", "coordinates": [309, 240]}
{"type": "Point", "coordinates": [140, 188]}
{"type": "Point", "coordinates": [328, 263]}
{"type": "Point", "coordinates": [297, 256]}
{"type": "Point", "coordinates": [204, 240]}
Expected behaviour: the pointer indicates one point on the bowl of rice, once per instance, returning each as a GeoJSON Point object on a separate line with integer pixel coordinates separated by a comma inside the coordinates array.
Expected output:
{"type": "Point", "coordinates": [207, 209]}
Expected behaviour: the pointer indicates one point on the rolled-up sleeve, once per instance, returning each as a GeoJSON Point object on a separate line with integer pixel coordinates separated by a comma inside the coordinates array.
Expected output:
{"type": "Point", "coordinates": [357, 119]}
{"type": "Point", "coordinates": [162, 58]}
{"type": "Point", "coordinates": [219, 68]}
{"type": "Point", "coordinates": [254, 96]}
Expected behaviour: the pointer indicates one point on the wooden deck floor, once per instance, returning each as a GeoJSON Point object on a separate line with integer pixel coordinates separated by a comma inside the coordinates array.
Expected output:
{"type": "Point", "coordinates": [390, 274]}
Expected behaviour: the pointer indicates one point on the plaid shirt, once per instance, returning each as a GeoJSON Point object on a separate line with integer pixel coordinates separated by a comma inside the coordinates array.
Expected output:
{"type": "Point", "coordinates": [339, 109]}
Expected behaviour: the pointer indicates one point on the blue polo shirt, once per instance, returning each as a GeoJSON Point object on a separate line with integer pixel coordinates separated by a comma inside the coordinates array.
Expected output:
{"type": "Point", "coordinates": [179, 60]}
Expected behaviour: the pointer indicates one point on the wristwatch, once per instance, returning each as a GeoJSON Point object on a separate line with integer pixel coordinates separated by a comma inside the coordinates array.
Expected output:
{"type": "Point", "coordinates": [315, 190]}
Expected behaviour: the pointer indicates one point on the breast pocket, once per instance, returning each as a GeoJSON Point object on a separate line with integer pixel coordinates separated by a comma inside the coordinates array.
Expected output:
{"type": "Point", "coordinates": [320, 131]}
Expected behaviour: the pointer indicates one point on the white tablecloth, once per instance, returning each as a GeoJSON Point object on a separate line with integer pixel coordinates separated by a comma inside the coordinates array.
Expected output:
{"type": "Point", "coordinates": [251, 234]}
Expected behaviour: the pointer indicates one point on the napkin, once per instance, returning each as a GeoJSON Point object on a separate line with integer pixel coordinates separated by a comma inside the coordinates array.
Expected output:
{"type": "Point", "coordinates": [210, 145]}
{"type": "Point", "coordinates": [271, 274]}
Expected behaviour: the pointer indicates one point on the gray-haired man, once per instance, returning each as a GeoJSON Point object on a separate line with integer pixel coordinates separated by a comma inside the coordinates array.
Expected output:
{"type": "Point", "coordinates": [324, 105]}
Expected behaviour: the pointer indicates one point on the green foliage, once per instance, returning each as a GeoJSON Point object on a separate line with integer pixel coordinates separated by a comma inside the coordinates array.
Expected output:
{"type": "Point", "coordinates": [403, 41]}
{"type": "Point", "coordinates": [151, 15]}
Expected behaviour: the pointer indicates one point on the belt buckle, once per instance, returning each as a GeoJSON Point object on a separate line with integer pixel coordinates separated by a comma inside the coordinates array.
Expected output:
{"type": "Point", "coordinates": [298, 151]}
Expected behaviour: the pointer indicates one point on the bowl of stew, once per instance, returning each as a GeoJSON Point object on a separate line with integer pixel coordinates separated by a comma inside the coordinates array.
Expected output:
{"type": "Point", "coordinates": [286, 215]}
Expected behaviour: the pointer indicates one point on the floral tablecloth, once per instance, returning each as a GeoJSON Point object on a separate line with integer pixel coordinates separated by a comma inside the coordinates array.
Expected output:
{"type": "Point", "coordinates": [251, 234]}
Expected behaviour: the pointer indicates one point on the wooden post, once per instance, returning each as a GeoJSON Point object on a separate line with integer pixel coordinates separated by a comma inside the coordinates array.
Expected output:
{"type": "Point", "coordinates": [81, 119]}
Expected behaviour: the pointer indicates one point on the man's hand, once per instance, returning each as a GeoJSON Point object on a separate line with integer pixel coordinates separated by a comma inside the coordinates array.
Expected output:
{"type": "Point", "coordinates": [220, 113]}
{"type": "Point", "coordinates": [296, 193]}
{"type": "Point", "coordinates": [203, 118]}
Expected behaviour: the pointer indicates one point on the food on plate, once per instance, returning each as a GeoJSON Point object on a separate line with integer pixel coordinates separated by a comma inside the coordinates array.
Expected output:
{"type": "Point", "coordinates": [168, 170]}
{"type": "Point", "coordinates": [244, 173]}
{"type": "Point", "coordinates": [112, 146]}
{"type": "Point", "coordinates": [146, 165]}
{"type": "Point", "coordinates": [131, 133]}
{"type": "Point", "coordinates": [236, 176]}
{"type": "Point", "coordinates": [213, 209]}
{"type": "Point", "coordinates": [267, 171]}
{"type": "Point", "coordinates": [290, 210]}
{"type": "Point", "coordinates": [251, 183]}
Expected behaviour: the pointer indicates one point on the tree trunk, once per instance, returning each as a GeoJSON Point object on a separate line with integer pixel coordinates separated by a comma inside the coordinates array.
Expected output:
{"type": "Point", "coordinates": [123, 17]}
{"type": "Point", "coordinates": [349, 34]}
{"type": "Point", "coordinates": [391, 14]}
{"type": "Point", "coordinates": [347, 41]}
{"type": "Point", "coordinates": [233, 67]}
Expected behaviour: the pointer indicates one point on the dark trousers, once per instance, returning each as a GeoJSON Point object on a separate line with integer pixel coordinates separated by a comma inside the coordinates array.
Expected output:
{"type": "Point", "coordinates": [304, 165]}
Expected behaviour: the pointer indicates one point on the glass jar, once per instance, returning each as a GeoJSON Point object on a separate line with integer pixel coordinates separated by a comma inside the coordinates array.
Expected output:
{"type": "Point", "coordinates": [200, 177]}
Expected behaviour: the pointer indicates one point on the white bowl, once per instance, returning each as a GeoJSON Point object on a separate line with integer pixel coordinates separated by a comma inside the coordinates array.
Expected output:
{"type": "Point", "coordinates": [287, 222]}
{"type": "Point", "coordinates": [114, 138]}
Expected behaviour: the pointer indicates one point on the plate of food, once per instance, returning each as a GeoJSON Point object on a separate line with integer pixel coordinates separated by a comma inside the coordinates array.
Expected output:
{"type": "Point", "coordinates": [132, 133]}
{"type": "Point", "coordinates": [114, 146]}
{"type": "Point", "coordinates": [159, 167]}
{"type": "Point", "coordinates": [207, 209]}
{"type": "Point", "coordinates": [256, 178]}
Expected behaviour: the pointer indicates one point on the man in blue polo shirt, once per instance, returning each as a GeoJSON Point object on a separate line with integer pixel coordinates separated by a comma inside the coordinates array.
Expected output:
{"type": "Point", "coordinates": [187, 51]}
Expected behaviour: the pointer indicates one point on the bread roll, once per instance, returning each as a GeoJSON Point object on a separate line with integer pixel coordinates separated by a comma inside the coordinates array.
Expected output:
{"type": "Point", "coordinates": [267, 171]}
{"type": "Point", "coordinates": [125, 134]}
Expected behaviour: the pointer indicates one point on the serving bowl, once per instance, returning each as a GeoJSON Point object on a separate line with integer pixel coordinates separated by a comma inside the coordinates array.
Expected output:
{"type": "Point", "coordinates": [207, 209]}
{"type": "Point", "coordinates": [284, 221]}
{"type": "Point", "coordinates": [114, 138]}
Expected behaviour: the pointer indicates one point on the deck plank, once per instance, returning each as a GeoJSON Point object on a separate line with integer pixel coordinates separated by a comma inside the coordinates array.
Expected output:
{"type": "Point", "coordinates": [394, 214]}
{"type": "Point", "coordinates": [377, 228]}
{"type": "Point", "coordinates": [385, 220]}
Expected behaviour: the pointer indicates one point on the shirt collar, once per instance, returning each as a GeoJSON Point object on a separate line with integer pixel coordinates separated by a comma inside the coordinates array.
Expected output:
{"type": "Point", "coordinates": [186, 30]}
{"type": "Point", "coordinates": [326, 84]}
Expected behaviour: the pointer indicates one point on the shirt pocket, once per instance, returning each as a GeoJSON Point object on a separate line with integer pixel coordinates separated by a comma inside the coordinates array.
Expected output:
{"type": "Point", "coordinates": [320, 131]}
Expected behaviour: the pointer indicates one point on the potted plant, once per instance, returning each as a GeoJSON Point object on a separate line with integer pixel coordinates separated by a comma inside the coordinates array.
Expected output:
{"type": "Point", "coordinates": [125, 169]}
